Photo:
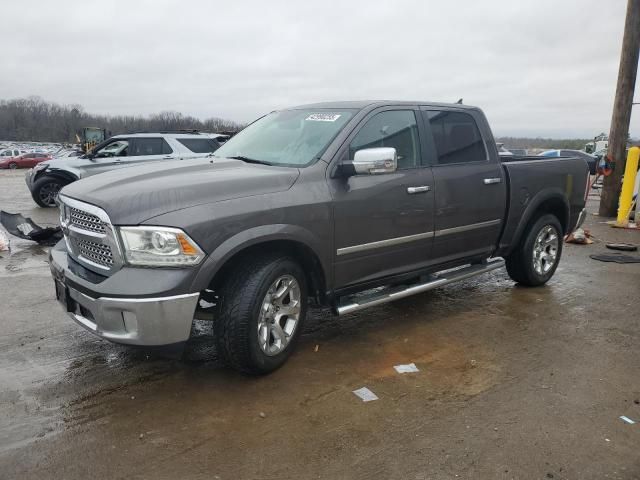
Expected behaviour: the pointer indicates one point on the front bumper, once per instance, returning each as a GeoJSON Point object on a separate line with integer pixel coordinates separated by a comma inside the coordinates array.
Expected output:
{"type": "Point", "coordinates": [150, 321]}
{"type": "Point", "coordinates": [28, 178]}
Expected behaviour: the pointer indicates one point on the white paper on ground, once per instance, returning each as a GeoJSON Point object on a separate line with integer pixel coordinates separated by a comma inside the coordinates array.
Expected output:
{"type": "Point", "coordinates": [4, 242]}
{"type": "Point", "coordinates": [365, 394]}
{"type": "Point", "coordinates": [627, 419]}
{"type": "Point", "coordinates": [409, 368]}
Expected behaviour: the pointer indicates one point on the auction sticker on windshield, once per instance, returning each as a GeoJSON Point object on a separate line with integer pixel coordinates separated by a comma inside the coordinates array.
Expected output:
{"type": "Point", "coordinates": [323, 117]}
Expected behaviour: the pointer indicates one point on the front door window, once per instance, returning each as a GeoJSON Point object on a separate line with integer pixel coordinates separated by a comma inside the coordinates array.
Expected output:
{"type": "Point", "coordinates": [114, 149]}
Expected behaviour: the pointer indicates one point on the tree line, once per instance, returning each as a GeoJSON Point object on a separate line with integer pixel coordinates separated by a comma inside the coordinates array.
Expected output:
{"type": "Point", "coordinates": [34, 119]}
{"type": "Point", "coordinates": [544, 143]}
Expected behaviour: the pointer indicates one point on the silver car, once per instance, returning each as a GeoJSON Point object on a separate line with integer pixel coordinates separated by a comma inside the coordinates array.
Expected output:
{"type": "Point", "coordinates": [46, 179]}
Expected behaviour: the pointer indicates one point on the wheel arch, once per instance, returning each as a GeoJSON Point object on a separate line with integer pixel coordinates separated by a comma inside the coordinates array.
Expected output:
{"type": "Point", "coordinates": [62, 175]}
{"type": "Point", "coordinates": [550, 201]}
{"type": "Point", "coordinates": [293, 241]}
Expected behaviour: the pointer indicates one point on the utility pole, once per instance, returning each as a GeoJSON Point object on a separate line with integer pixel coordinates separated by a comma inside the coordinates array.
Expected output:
{"type": "Point", "coordinates": [622, 109]}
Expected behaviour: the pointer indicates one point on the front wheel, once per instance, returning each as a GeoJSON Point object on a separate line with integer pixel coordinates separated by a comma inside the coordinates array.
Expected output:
{"type": "Point", "coordinates": [535, 259]}
{"type": "Point", "coordinates": [263, 306]}
{"type": "Point", "coordinates": [13, 165]}
{"type": "Point", "coordinates": [45, 191]}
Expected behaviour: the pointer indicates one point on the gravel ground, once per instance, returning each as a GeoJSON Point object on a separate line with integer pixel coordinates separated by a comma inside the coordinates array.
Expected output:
{"type": "Point", "coordinates": [512, 383]}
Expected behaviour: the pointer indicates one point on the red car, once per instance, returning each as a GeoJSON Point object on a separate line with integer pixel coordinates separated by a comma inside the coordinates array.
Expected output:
{"type": "Point", "coordinates": [26, 160]}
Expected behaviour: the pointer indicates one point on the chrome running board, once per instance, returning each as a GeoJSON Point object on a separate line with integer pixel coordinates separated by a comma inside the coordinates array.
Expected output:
{"type": "Point", "coordinates": [360, 301]}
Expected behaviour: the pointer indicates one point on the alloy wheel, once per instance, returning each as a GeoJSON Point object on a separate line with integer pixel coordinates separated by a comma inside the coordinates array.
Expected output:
{"type": "Point", "coordinates": [48, 193]}
{"type": "Point", "coordinates": [279, 315]}
{"type": "Point", "coordinates": [545, 250]}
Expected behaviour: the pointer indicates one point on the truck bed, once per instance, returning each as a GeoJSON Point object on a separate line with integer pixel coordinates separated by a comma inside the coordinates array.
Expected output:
{"type": "Point", "coordinates": [533, 180]}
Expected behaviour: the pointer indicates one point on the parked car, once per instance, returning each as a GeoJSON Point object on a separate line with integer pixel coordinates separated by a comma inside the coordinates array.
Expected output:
{"type": "Point", "coordinates": [591, 160]}
{"type": "Point", "coordinates": [69, 153]}
{"type": "Point", "coordinates": [10, 152]}
{"type": "Point", "coordinates": [351, 204]}
{"type": "Point", "coordinates": [46, 180]}
{"type": "Point", "coordinates": [26, 160]}
{"type": "Point", "coordinates": [519, 152]}
{"type": "Point", "coordinates": [503, 152]}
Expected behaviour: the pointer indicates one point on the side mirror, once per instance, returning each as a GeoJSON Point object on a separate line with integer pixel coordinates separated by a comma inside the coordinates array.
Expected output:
{"type": "Point", "coordinates": [372, 161]}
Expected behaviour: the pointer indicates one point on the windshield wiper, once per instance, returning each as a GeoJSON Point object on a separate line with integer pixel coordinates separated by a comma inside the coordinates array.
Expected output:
{"type": "Point", "coordinates": [250, 160]}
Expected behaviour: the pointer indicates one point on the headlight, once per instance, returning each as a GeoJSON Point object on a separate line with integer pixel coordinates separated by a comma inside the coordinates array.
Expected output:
{"type": "Point", "coordinates": [159, 246]}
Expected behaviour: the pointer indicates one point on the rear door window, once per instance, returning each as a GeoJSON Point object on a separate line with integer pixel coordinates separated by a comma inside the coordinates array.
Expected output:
{"type": "Point", "coordinates": [149, 147]}
{"type": "Point", "coordinates": [200, 145]}
{"type": "Point", "coordinates": [456, 137]}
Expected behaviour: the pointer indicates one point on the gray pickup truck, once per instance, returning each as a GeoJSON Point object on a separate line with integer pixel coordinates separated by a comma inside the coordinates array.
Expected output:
{"type": "Point", "coordinates": [348, 205]}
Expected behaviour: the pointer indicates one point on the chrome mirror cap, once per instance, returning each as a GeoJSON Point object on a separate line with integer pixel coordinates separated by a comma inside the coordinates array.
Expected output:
{"type": "Point", "coordinates": [372, 161]}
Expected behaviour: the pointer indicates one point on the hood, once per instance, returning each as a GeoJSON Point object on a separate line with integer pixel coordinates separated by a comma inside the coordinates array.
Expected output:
{"type": "Point", "coordinates": [134, 194]}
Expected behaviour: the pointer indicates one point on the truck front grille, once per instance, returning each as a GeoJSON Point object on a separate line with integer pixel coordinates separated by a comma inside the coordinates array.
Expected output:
{"type": "Point", "coordinates": [85, 221]}
{"type": "Point", "coordinates": [90, 236]}
{"type": "Point", "coordinates": [95, 252]}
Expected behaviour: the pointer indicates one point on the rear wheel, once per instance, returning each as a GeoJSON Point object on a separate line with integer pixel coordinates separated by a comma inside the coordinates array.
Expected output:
{"type": "Point", "coordinates": [45, 191]}
{"type": "Point", "coordinates": [535, 259]}
{"type": "Point", "coordinates": [263, 306]}
{"type": "Point", "coordinates": [13, 165]}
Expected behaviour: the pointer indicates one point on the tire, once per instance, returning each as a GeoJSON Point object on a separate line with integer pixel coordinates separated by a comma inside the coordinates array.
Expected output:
{"type": "Point", "coordinates": [532, 269]}
{"type": "Point", "coordinates": [13, 165]}
{"type": "Point", "coordinates": [244, 322]}
{"type": "Point", "coordinates": [45, 190]}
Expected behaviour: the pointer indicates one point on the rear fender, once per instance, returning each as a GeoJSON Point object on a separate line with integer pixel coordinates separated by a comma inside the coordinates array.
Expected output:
{"type": "Point", "coordinates": [535, 206]}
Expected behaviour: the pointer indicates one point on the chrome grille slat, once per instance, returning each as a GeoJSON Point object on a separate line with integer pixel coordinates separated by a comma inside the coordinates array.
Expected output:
{"type": "Point", "coordinates": [95, 252]}
{"type": "Point", "coordinates": [86, 221]}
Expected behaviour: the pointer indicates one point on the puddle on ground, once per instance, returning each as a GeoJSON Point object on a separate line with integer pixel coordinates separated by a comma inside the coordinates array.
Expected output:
{"type": "Point", "coordinates": [25, 257]}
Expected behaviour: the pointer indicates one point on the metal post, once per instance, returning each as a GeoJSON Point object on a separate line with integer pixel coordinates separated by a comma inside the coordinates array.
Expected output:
{"type": "Point", "coordinates": [628, 185]}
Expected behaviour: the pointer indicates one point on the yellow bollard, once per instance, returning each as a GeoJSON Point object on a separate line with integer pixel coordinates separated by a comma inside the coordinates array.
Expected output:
{"type": "Point", "coordinates": [628, 184]}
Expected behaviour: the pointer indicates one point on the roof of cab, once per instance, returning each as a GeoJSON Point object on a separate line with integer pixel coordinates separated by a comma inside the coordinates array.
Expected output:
{"type": "Point", "coordinates": [360, 104]}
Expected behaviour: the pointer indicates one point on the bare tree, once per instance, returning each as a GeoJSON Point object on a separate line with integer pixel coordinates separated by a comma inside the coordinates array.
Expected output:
{"type": "Point", "coordinates": [34, 119]}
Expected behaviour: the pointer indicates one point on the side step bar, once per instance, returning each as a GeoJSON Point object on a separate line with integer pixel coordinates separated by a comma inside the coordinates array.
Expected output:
{"type": "Point", "coordinates": [354, 303]}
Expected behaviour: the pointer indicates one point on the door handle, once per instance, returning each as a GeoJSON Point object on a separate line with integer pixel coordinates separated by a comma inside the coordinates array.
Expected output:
{"type": "Point", "coordinates": [491, 181]}
{"type": "Point", "coordinates": [168, 157]}
{"type": "Point", "coordinates": [421, 189]}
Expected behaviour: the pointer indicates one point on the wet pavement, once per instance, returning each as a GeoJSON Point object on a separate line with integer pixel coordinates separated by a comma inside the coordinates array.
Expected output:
{"type": "Point", "coordinates": [513, 383]}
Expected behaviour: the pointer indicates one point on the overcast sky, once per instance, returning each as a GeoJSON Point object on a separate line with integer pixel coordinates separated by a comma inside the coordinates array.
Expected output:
{"type": "Point", "coordinates": [537, 68]}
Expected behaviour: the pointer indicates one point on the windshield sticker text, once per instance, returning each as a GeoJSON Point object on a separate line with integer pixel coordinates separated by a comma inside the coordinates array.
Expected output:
{"type": "Point", "coordinates": [323, 117]}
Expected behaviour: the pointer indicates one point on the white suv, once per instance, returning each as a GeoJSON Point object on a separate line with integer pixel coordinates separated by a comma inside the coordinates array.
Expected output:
{"type": "Point", "coordinates": [47, 178]}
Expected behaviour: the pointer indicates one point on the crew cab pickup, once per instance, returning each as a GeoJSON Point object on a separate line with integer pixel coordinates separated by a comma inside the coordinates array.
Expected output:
{"type": "Point", "coordinates": [348, 205]}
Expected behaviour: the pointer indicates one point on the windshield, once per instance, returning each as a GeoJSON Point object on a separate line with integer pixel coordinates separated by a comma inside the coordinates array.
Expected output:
{"type": "Point", "coordinates": [292, 138]}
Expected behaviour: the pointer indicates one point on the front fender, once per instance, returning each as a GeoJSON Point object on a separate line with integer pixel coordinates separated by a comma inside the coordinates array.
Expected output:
{"type": "Point", "coordinates": [254, 236]}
